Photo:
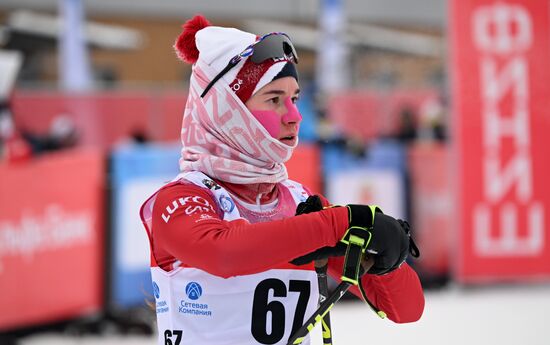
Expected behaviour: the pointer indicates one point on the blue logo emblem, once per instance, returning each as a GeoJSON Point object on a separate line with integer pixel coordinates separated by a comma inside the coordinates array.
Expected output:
{"type": "Point", "coordinates": [193, 290]}
{"type": "Point", "coordinates": [156, 290]}
{"type": "Point", "coordinates": [226, 203]}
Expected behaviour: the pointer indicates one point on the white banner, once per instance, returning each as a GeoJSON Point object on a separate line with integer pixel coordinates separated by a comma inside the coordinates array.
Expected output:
{"type": "Point", "coordinates": [384, 188]}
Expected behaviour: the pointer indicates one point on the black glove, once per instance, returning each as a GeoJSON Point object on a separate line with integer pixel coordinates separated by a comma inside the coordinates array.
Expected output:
{"type": "Point", "coordinates": [388, 240]}
{"type": "Point", "coordinates": [314, 204]}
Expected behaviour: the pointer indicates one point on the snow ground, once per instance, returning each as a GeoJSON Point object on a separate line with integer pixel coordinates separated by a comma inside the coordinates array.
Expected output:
{"type": "Point", "coordinates": [502, 315]}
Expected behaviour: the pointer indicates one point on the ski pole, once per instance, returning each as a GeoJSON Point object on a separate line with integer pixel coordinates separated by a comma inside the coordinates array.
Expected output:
{"type": "Point", "coordinates": [321, 267]}
{"type": "Point", "coordinates": [300, 334]}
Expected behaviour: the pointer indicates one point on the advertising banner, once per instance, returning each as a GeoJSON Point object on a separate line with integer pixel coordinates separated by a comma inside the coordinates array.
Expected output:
{"type": "Point", "coordinates": [305, 167]}
{"type": "Point", "coordinates": [500, 72]}
{"type": "Point", "coordinates": [431, 206]}
{"type": "Point", "coordinates": [51, 226]}
{"type": "Point", "coordinates": [137, 172]}
{"type": "Point", "coordinates": [382, 187]}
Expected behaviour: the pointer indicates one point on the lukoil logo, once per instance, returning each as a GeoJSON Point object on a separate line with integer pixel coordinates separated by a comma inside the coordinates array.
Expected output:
{"type": "Point", "coordinates": [193, 290]}
{"type": "Point", "coordinates": [156, 290]}
{"type": "Point", "coordinates": [192, 204]}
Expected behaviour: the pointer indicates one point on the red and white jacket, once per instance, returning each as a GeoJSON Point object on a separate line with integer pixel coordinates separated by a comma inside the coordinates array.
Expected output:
{"type": "Point", "coordinates": [220, 265]}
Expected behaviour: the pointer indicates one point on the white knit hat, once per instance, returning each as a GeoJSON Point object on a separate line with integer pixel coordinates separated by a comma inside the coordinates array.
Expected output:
{"type": "Point", "coordinates": [216, 46]}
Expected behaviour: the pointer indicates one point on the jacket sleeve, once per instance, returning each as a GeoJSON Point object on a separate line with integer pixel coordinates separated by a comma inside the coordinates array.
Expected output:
{"type": "Point", "coordinates": [398, 293]}
{"type": "Point", "coordinates": [188, 225]}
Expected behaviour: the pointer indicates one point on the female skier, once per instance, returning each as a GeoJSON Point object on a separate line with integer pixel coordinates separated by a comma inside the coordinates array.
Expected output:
{"type": "Point", "coordinates": [230, 259]}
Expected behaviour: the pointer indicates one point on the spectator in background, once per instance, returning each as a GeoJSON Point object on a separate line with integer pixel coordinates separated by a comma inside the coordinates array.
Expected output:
{"type": "Point", "coordinates": [139, 136]}
{"type": "Point", "coordinates": [432, 123]}
{"type": "Point", "coordinates": [136, 136]}
{"type": "Point", "coordinates": [61, 135]}
{"type": "Point", "coordinates": [407, 125]}
{"type": "Point", "coordinates": [13, 147]}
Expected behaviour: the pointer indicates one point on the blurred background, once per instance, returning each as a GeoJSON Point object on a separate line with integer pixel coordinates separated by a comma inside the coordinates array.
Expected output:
{"type": "Point", "coordinates": [438, 111]}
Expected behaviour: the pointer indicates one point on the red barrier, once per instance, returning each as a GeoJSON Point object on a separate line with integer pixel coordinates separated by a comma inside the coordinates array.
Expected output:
{"type": "Point", "coordinates": [368, 115]}
{"type": "Point", "coordinates": [431, 205]}
{"type": "Point", "coordinates": [103, 118]}
{"type": "Point", "coordinates": [500, 65]}
{"type": "Point", "coordinates": [305, 167]}
{"type": "Point", "coordinates": [51, 226]}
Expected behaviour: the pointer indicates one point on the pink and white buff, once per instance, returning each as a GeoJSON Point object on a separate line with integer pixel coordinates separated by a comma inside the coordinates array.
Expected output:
{"type": "Point", "coordinates": [222, 139]}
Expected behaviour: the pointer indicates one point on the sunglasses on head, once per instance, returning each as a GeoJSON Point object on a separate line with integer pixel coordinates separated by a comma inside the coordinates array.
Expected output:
{"type": "Point", "coordinates": [275, 45]}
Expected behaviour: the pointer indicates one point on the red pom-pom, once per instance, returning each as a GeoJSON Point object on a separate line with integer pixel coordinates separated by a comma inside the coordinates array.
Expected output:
{"type": "Point", "coordinates": [185, 45]}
